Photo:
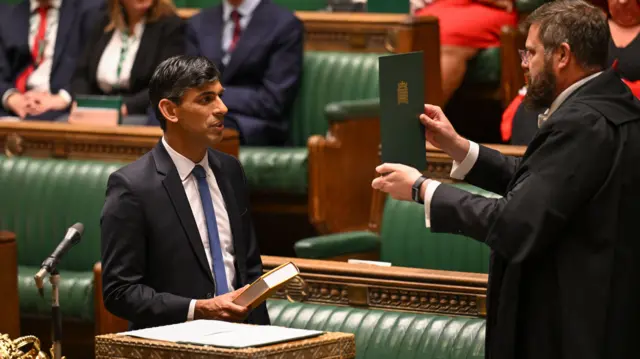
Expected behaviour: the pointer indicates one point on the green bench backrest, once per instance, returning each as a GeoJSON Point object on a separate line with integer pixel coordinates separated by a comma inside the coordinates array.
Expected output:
{"type": "Point", "coordinates": [406, 242]}
{"type": "Point", "coordinates": [293, 5]}
{"type": "Point", "coordinates": [387, 334]}
{"type": "Point", "coordinates": [330, 77]}
{"type": "Point", "coordinates": [41, 198]}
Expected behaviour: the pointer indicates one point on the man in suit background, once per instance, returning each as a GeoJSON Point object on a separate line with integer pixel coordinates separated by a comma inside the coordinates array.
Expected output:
{"type": "Point", "coordinates": [40, 41]}
{"type": "Point", "coordinates": [565, 257]}
{"type": "Point", "coordinates": [177, 237]}
{"type": "Point", "coordinates": [258, 46]}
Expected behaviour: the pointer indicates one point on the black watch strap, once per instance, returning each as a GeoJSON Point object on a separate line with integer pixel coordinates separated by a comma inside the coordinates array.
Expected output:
{"type": "Point", "coordinates": [415, 189]}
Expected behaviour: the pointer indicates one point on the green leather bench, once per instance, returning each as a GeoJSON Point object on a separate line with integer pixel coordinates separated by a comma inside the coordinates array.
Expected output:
{"type": "Point", "coordinates": [41, 198]}
{"type": "Point", "coordinates": [404, 241]}
{"type": "Point", "coordinates": [387, 334]}
{"type": "Point", "coordinates": [328, 78]}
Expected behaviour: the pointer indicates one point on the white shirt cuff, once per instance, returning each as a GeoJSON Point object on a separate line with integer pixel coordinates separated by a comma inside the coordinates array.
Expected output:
{"type": "Point", "coordinates": [5, 97]}
{"type": "Point", "coordinates": [429, 190]}
{"type": "Point", "coordinates": [460, 170]}
{"type": "Point", "coordinates": [65, 95]}
{"type": "Point", "coordinates": [192, 309]}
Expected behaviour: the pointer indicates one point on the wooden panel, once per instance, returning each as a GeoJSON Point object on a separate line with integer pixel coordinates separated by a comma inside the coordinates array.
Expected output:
{"type": "Point", "coordinates": [9, 303]}
{"type": "Point", "coordinates": [335, 203]}
{"type": "Point", "coordinates": [105, 322]}
{"type": "Point", "coordinates": [63, 140]}
{"type": "Point", "coordinates": [388, 288]}
{"type": "Point", "coordinates": [439, 163]}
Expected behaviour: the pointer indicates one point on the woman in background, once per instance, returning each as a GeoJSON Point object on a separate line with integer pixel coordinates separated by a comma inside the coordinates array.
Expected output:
{"type": "Point", "coordinates": [466, 27]}
{"type": "Point", "coordinates": [520, 124]}
{"type": "Point", "coordinates": [127, 44]}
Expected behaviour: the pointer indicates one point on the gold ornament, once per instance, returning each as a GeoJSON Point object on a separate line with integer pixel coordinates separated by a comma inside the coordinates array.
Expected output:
{"type": "Point", "coordinates": [15, 349]}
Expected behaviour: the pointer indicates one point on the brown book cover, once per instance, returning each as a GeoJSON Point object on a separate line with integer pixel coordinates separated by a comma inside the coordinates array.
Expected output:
{"type": "Point", "coordinates": [266, 285]}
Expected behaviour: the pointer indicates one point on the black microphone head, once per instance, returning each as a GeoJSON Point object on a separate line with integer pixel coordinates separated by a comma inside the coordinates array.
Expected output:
{"type": "Point", "coordinates": [75, 232]}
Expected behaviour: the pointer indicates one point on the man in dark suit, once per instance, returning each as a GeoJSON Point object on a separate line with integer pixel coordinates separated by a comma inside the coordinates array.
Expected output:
{"type": "Point", "coordinates": [177, 237]}
{"type": "Point", "coordinates": [258, 47]}
{"type": "Point", "coordinates": [40, 41]}
{"type": "Point", "coordinates": [565, 258]}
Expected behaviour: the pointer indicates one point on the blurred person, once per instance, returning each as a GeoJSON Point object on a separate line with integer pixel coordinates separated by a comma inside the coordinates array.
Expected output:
{"type": "Point", "coordinates": [258, 47]}
{"type": "Point", "coordinates": [40, 43]}
{"type": "Point", "coordinates": [125, 46]}
{"type": "Point", "coordinates": [466, 27]}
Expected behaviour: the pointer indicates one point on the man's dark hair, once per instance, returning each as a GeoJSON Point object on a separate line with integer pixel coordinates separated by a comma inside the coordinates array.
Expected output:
{"type": "Point", "coordinates": [175, 75]}
{"type": "Point", "coordinates": [581, 25]}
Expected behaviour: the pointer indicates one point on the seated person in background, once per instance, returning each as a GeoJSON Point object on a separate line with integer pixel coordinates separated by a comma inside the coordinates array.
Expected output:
{"type": "Point", "coordinates": [40, 41]}
{"type": "Point", "coordinates": [258, 47]}
{"type": "Point", "coordinates": [177, 241]}
{"type": "Point", "coordinates": [466, 26]}
{"type": "Point", "coordinates": [520, 124]}
{"type": "Point", "coordinates": [124, 48]}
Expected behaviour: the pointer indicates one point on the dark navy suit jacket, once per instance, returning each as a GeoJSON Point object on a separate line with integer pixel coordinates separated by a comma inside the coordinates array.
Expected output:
{"type": "Point", "coordinates": [262, 77]}
{"type": "Point", "coordinates": [76, 20]}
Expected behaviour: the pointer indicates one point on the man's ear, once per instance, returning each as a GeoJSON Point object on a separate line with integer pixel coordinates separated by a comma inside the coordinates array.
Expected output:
{"type": "Point", "coordinates": [168, 109]}
{"type": "Point", "coordinates": [564, 55]}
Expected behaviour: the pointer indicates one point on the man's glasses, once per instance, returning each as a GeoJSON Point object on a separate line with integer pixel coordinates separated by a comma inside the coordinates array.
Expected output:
{"type": "Point", "coordinates": [525, 56]}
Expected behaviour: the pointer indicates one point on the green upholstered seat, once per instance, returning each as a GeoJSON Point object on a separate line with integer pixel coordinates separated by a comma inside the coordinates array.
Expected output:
{"type": "Point", "coordinates": [387, 334]}
{"type": "Point", "coordinates": [328, 77]}
{"type": "Point", "coordinates": [405, 241]}
{"type": "Point", "coordinates": [484, 68]}
{"type": "Point", "coordinates": [41, 198]}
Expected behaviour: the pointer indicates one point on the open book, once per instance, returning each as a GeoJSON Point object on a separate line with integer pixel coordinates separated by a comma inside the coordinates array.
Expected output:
{"type": "Point", "coordinates": [266, 285]}
{"type": "Point", "coordinates": [223, 334]}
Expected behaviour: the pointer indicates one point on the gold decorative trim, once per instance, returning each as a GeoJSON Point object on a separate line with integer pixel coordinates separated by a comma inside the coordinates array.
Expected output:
{"type": "Point", "coordinates": [329, 345]}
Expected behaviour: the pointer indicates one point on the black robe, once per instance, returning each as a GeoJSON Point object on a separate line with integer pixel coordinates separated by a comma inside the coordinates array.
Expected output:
{"type": "Point", "coordinates": [564, 278]}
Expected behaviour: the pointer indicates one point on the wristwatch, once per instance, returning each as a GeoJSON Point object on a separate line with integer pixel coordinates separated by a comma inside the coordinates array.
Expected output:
{"type": "Point", "coordinates": [415, 189]}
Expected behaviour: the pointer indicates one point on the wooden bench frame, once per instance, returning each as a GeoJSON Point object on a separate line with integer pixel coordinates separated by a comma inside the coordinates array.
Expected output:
{"type": "Point", "coordinates": [357, 285]}
{"type": "Point", "coordinates": [73, 141]}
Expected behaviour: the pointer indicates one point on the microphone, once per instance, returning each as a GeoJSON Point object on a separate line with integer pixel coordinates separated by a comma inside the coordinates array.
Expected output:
{"type": "Point", "coordinates": [74, 233]}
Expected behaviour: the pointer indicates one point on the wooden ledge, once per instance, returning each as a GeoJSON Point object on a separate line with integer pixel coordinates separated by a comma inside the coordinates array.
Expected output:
{"type": "Point", "coordinates": [7, 237]}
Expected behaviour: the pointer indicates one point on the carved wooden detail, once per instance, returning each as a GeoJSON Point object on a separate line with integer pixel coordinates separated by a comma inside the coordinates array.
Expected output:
{"type": "Point", "coordinates": [63, 140]}
{"type": "Point", "coordinates": [395, 288]}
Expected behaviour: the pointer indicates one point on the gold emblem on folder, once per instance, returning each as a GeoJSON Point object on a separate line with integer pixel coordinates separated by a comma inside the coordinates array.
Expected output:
{"type": "Point", "coordinates": [403, 93]}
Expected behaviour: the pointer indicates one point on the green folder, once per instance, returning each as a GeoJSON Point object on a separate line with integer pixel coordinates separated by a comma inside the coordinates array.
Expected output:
{"type": "Point", "coordinates": [401, 103]}
{"type": "Point", "coordinates": [100, 102]}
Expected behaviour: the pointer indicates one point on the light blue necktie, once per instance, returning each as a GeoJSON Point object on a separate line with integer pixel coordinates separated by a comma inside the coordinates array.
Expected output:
{"type": "Point", "coordinates": [212, 229]}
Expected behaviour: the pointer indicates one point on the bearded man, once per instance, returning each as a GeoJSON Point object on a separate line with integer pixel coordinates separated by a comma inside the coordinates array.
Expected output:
{"type": "Point", "coordinates": [565, 259]}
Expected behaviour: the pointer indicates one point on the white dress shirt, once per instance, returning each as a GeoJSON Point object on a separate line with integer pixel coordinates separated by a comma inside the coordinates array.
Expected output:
{"type": "Point", "coordinates": [460, 170]}
{"type": "Point", "coordinates": [185, 167]}
{"type": "Point", "coordinates": [39, 79]}
{"type": "Point", "coordinates": [246, 11]}
{"type": "Point", "coordinates": [107, 75]}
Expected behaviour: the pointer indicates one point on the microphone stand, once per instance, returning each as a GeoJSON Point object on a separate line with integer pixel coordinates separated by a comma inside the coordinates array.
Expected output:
{"type": "Point", "coordinates": [56, 315]}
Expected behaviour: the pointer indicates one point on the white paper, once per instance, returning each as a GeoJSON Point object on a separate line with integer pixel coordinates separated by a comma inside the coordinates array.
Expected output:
{"type": "Point", "coordinates": [375, 263]}
{"type": "Point", "coordinates": [222, 334]}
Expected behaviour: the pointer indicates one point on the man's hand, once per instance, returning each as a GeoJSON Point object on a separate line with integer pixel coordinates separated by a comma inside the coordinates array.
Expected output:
{"type": "Point", "coordinates": [440, 133]}
{"type": "Point", "coordinates": [396, 180]}
{"type": "Point", "coordinates": [42, 102]}
{"type": "Point", "coordinates": [19, 104]}
{"type": "Point", "coordinates": [221, 308]}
